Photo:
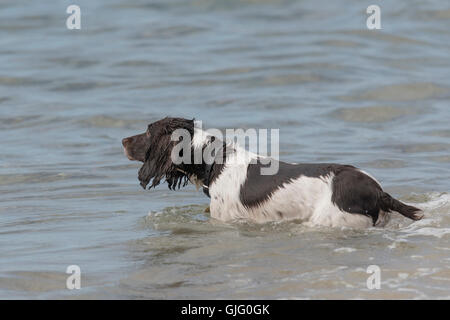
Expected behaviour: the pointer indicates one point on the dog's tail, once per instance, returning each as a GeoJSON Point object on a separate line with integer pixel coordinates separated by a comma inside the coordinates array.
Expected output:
{"type": "Point", "coordinates": [388, 204]}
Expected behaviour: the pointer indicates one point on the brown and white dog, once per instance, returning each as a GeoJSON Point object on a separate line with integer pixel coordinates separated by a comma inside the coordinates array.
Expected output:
{"type": "Point", "coordinates": [318, 194]}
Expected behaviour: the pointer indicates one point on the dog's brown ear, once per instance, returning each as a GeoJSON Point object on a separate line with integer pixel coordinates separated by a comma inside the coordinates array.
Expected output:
{"type": "Point", "coordinates": [158, 163]}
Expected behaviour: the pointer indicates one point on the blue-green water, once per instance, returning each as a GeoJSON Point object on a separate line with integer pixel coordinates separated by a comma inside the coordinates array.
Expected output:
{"type": "Point", "coordinates": [338, 92]}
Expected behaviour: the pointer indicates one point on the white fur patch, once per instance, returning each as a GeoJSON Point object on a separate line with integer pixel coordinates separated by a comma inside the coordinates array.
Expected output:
{"type": "Point", "coordinates": [305, 198]}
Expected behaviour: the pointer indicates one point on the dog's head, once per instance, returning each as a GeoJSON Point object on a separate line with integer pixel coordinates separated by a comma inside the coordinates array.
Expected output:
{"type": "Point", "coordinates": [154, 148]}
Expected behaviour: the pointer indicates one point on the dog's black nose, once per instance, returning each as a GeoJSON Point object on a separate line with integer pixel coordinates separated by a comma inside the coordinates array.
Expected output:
{"type": "Point", "coordinates": [126, 141]}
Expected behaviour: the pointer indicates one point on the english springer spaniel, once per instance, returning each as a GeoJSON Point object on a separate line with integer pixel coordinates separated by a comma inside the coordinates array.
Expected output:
{"type": "Point", "coordinates": [318, 194]}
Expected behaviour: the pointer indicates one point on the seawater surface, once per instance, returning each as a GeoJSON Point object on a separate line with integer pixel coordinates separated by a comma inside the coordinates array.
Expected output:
{"type": "Point", "coordinates": [338, 92]}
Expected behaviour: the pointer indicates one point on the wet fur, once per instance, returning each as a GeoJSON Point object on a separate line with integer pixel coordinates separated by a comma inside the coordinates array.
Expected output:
{"type": "Point", "coordinates": [320, 194]}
